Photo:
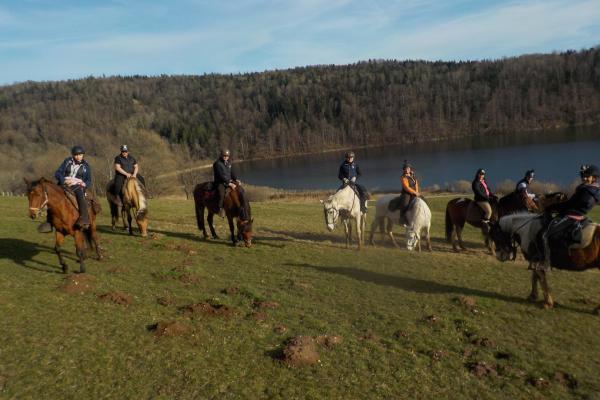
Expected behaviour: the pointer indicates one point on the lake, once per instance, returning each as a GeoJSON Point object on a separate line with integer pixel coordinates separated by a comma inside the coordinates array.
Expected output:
{"type": "Point", "coordinates": [555, 156]}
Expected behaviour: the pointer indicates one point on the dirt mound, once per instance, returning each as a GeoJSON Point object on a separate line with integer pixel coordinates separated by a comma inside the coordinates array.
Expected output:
{"type": "Point", "coordinates": [538, 382]}
{"type": "Point", "coordinates": [300, 351]}
{"type": "Point", "coordinates": [116, 298]}
{"type": "Point", "coordinates": [299, 285]}
{"type": "Point", "coordinates": [169, 328]}
{"type": "Point", "coordinates": [77, 284]}
{"type": "Point", "coordinates": [189, 278]}
{"type": "Point", "coordinates": [231, 290]}
{"type": "Point", "coordinates": [484, 342]}
{"type": "Point", "coordinates": [328, 341]}
{"type": "Point", "coordinates": [437, 355]}
{"type": "Point", "coordinates": [265, 304]}
{"type": "Point", "coordinates": [466, 301]}
{"type": "Point", "coordinates": [258, 316]}
{"type": "Point", "coordinates": [369, 336]}
{"type": "Point", "coordinates": [565, 379]}
{"type": "Point", "coordinates": [432, 319]}
{"type": "Point", "coordinates": [481, 369]}
{"type": "Point", "coordinates": [167, 300]}
{"type": "Point", "coordinates": [400, 334]}
{"type": "Point", "coordinates": [280, 329]}
{"type": "Point", "coordinates": [208, 309]}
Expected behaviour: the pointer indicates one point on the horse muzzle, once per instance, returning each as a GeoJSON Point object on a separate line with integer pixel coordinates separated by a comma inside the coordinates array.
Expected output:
{"type": "Point", "coordinates": [330, 227]}
{"type": "Point", "coordinates": [503, 255]}
{"type": "Point", "coordinates": [34, 212]}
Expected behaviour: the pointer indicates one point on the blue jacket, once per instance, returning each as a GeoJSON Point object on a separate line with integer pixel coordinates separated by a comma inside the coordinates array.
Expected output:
{"type": "Point", "coordinates": [348, 171]}
{"type": "Point", "coordinates": [84, 173]}
{"type": "Point", "coordinates": [583, 200]}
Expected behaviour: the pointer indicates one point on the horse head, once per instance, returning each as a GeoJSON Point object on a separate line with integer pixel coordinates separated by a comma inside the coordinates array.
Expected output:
{"type": "Point", "coordinates": [506, 248]}
{"type": "Point", "coordinates": [413, 238]}
{"type": "Point", "coordinates": [245, 229]}
{"type": "Point", "coordinates": [331, 213]}
{"type": "Point", "coordinates": [37, 196]}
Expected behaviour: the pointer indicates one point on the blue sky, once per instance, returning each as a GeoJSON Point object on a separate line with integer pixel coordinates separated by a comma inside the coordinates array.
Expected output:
{"type": "Point", "coordinates": [61, 39]}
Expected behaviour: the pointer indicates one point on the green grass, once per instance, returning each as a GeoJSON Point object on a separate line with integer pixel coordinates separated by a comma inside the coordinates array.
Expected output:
{"type": "Point", "coordinates": [59, 345]}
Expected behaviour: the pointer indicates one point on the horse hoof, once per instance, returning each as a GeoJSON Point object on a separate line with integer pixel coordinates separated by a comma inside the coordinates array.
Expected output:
{"type": "Point", "coordinates": [65, 269]}
{"type": "Point", "coordinates": [532, 299]}
{"type": "Point", "coordinates": [548, 306]}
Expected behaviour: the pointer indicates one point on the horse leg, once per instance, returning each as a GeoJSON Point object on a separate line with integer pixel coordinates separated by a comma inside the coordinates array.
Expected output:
{"type": "Point", "coordinates": [58, 242]}
{"type": "Point", "coordinates": [548, 301]}
{"type": "Point", "coordinates": [211, 226]}
{"type": "Point", "coordinates": [533, 296]}
{"type": "Point", "coordinates": [80, 250]}
{"type": "Point", "coordinates": [459, 236]}
{"type": "Point", "coordinates": [123, 218]}
{"type": "Point", "coordinates": [429, 248]}
{"type": "Point", "coordinates": [359, 231]}
{"type": "Point", "coordinates": [129, 219]}
{"type": "Point", "coordinates": [94, 236]}
{"type": "Point", "coordinates": [372, 233]}
{"type": "Point", "coordinates": [232, 230]}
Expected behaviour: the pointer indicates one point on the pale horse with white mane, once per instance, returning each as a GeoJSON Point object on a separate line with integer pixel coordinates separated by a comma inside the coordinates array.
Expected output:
{"type": "Point", "coordinates": [345, 205]}
{"type": "Point", "coordinates": [418, 217]}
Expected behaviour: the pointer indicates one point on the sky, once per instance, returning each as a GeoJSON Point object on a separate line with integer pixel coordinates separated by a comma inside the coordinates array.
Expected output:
{"type": "Point", "coordinates": [43, 40]}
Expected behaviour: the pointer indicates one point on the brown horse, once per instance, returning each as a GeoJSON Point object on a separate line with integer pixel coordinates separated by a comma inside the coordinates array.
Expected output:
{"type": "Point", "coordinates": [44, 194]}
{"type": "Point", "coordinates": [236, 207]}
{"type": "Point", "coordinates": [134, 199]}
{"type": "Point", "coordinates": [461, 210]}
{"type": "Point", "coordinates": [524, 230]}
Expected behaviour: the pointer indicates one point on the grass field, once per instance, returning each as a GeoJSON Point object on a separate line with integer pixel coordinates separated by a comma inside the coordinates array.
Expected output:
{"type": "Point", "coordinates": [403, 330]}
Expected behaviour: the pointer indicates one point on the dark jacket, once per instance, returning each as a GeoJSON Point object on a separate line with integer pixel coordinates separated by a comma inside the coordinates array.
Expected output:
{"type": "Point", "coordinates": [127, 163]}
{"type": "Point", "coordinates": [84, 173]}
{"type": "Point", "coordinates": [479, 191]}
{"type": "Point", "coordinates": [348, 171]}
{"type": "Point", "coordinates": [223, 172]}
{"type": "Point", "coordinates": [583, 200]}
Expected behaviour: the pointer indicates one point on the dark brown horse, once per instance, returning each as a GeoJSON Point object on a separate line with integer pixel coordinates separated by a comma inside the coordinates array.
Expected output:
{"type": "Point", "coordinates": [461, 210]}
{"type": "Point", "coordinates": [44, 194]}
{"type": "Point", "coordinates": [236, 207]}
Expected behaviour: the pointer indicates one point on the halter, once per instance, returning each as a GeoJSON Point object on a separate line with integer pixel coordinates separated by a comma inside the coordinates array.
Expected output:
{"type": "Point", "coordinates": [38, 210]}
{"type": "Point", "coordinates": [336, 214]}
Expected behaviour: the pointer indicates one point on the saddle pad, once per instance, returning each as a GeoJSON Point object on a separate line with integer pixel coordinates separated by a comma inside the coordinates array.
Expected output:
{"type": "Point", "coordinates": [91, 201]}
{"type": "Point", "coordinates": [474, 212]}
{"type": "Point", "coordinates": [587, 233]}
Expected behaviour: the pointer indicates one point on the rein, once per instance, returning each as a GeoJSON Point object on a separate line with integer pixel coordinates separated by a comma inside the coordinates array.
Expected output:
{"type": "Point", "coordinates": [40, 209]}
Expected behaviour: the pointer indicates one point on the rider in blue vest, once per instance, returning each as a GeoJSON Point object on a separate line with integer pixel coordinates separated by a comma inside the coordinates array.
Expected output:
{"type": "Point", "coordinates": [348, 174]}
{"type": "Point", "coordinates": [522, 187]}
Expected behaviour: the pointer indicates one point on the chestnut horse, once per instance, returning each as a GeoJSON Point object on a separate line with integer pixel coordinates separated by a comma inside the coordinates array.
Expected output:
{"type": "Point", "coordinates": [461, 210]}
{"type": "Point", "coordinates": [524, 230]}
{"type": "Point", "coordinates": [43, 194]}
{"type": "Point", "coordinates": [236, 206]}
{"type": "Point", "coordinates": [134, 199]}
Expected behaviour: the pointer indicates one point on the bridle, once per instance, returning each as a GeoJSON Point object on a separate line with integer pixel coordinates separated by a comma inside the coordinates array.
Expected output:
{"type": "Point", "coordinates": [40, 209]}
{"type": "Point", "coordinates": [327, 209]}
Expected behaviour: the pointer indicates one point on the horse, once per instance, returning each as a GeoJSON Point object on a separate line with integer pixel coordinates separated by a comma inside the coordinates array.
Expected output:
{"type": "Point", "coordinates": [133, 198]}
{"type": "Point", "coordinates": [345, 205]}
{"type": "Point", "coordinates": [524, 230]}
{"type": "Point", "coordinates": [418, 217]}
{"type": "Point", "coordinates": [461, 210]}
{"type": "Point", "coordinates": [236, 206]}
{"type": "Point", "coordinates": [43, 194]}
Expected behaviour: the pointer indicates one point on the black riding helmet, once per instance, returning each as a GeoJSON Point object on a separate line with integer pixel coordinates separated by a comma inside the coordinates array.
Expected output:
{"type": "Point", "coordinates": [77, 150]}
{"type": "Point", "coordinates": [529, 174]}
{"type": "Point", "coordinates": [225, 152]}
{"type": "Point", "coordinates": [479, 172]}
{"type": "Point", "coordinates": [591, 170]}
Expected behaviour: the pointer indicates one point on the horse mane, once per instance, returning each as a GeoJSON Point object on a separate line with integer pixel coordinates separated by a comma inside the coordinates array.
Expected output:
{"type": "Point", "coordinates": [245, 211]}
{"type": "Point", "coordinates": [134, 194]}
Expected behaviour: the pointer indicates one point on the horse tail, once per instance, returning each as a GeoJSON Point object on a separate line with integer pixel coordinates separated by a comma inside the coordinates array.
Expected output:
{"type": "Point", "coordinates": [199, 207]}
{"type": "Point", "coordinates": [449, 224]}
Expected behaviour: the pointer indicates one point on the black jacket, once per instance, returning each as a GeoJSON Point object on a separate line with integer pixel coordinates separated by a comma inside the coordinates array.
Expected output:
{"type": "Point", "coordinates": [479, 191]}
{"type": "Point", "coordinates": [583, 200]}
{"type": "Point", "coordinates": [223, 172]}
{"type": "Point", "coordinates": [348, 171]}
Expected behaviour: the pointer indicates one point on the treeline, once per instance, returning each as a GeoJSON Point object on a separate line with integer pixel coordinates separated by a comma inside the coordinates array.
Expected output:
{"type": "Point", "coordinates": [171, 121]}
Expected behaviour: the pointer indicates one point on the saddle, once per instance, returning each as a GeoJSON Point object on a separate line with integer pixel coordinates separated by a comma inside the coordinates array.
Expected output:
{"type": "Point", "coordinates": [474, 212]}
{"type": "Point", "coordinates": [396, 203]}
{"type": "Point", "coordinates": [90, 198]}
{"type": "Point", "coordinates": [570, 232]}
{"type": "Point", "coordinates": [209, 191]}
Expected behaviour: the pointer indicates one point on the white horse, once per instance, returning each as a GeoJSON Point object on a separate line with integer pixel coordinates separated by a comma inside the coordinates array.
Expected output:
{"type": "Point", "coordinates": [345, 205]}
{"type": "Point", "coordinates": [418, 217]}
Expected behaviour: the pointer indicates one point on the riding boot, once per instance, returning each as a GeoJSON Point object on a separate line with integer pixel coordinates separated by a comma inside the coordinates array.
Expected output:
{"type": "Point", "coordinates": [45, 227]}
{"type": "Point", "coordinates": [84, 220]}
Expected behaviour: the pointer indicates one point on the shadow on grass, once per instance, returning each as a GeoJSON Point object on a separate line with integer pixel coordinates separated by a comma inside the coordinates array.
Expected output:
{"type": "Point", "coordinates": [418, 285]}
{"type": "Point", "coordinates": [22, 252]}
{"type": "Point", "coordinates": [311, 236]}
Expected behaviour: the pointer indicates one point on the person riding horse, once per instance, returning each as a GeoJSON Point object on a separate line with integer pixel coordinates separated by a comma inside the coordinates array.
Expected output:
{"type": "Point", "coordinates": [483, 195]}
{"type": "Point", "coordinates": [574, 210]}
{"type": "Point", "coordinates": [126, 166]}
{"type": "Point", "coordinates": [224, 177]}
{"type": "Point", "coordinates": [348, 174]}
{"type": "Point", "coordinates": [522, 187]}
{"type": "Point", "coordinates": [410, 190]}
{"type": "Point", "coordinates": [75, 174]}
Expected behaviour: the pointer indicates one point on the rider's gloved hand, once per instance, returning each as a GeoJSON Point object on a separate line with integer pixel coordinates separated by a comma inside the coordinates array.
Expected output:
{"type": "Point", "coordinates": [346, 180]}
{"type": "Point", "coordinates": [353, 179]}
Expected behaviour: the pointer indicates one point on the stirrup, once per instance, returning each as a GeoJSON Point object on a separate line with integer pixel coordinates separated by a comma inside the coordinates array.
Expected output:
{"type": "Point", "coordinates": [45, 227]}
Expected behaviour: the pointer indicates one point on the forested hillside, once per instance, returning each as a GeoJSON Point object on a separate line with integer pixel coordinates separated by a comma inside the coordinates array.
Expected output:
{"type": "Point", "coordinates": [171, 121]}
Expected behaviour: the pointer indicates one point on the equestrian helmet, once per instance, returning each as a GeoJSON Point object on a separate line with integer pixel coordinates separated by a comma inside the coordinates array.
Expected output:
{"type": "Point", "coordinates": [225, 152]}
{"type": "Point", "coordinates": [529, 174]}
{"type": "Point", "coordinates": [582, 169]}
{"type": "Point", "coordinates": [592, 170]}
{"type": "Point", "coordinates": [349, 154]}
{"type": "Point", "coordinates": [77, 150]}
{"type": "Point", "coordinates": [124, 148]}
{"type": "Point", "coordinates": [480, 172]}
{"type": "Point", "coordinates": [406, 165]}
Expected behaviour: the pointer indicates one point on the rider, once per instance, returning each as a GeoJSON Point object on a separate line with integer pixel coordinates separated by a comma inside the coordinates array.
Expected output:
{"type": "Point", "coordinates": [126, 166]}
{"type": "Point", "coordinates": [586, 196]}
{"type": "Point", "coordinates": [522, 187]}
{"type": "Point", "coordinates": [75, 173]}
{"type": "Point", "coordinates": [348, 173]}
{"type": "Point", "coordinates": [483, 195]}
{"type": "Point", "coordinates": [224, 176]}
{"type": "Point", "coordinates": [410, 190]}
